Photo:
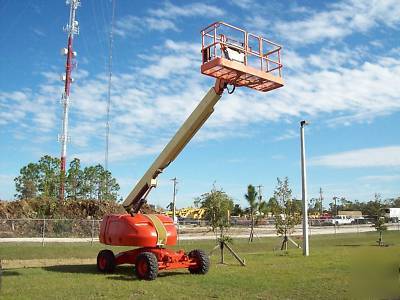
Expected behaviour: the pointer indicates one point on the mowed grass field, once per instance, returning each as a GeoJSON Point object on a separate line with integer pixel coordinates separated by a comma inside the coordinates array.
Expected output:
{"type": "Point", "coordinates": [345, 266]}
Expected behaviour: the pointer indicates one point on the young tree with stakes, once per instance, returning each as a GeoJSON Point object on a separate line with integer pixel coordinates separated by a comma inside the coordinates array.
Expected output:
{"type": "Point", "coordinates": [218, 207]}
{"type": "Point", "coordinates": [286, 217]}
{"type": "Point", "coordinates": [256, 208]}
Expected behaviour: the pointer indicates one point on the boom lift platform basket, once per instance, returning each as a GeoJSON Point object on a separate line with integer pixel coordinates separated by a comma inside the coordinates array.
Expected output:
{"type": "Point", "coordinates": [240, 58]}
{"type": "Point", "coordinates": [234, 57]}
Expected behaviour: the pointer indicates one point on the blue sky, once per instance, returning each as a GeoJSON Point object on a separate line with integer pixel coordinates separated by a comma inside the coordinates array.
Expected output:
{"type": "Point", "coordinates": [341, 69]}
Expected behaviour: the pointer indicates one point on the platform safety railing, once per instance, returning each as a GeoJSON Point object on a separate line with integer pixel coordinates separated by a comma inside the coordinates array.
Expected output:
{"type": "Point", "coordinates": [259, 52]}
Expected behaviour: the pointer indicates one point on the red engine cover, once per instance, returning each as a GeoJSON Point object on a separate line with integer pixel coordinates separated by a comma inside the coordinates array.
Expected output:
{"type": "Point", "coordinates": [137, 230]}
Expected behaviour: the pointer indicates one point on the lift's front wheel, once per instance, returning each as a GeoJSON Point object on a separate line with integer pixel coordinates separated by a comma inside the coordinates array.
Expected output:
{"type": "Point", "coordinates": [146, 266]}
{"type": "Point", "coordinates": [202, 262]}
{"type": "Point", "coordinates": [106, 261]}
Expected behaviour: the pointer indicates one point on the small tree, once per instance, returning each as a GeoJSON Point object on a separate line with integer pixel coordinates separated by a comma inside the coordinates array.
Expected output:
{"type": "Point", "coordinates": [287, 216]}
{"type": "Point", "coordinates": [257, 208]}
{"type": "Point", "coordinates": [237, 210]}
{"type": "Point", "coordinates": [379, 221]}
{"type": "Point", "coordinates": [345, 204]}
{"type": "Point", "coordinates": [27, 183]}
{"type": "Point", "coordinates": [273, 206]}
{"type": "Point", "coordinates": [72, 183]}
{"type": "Point", "coordinates": [315, 206]}
{"type": "Point", "coordinates": [218, 206]}
{"type": "Point", "coordinates": [251, 198]}
{"type": "Point", "coordinates": [39, 179]}
{"type": "Point", "coordinates": [50, 176]}
{"type": "Point", "coordinates": [395, 202]}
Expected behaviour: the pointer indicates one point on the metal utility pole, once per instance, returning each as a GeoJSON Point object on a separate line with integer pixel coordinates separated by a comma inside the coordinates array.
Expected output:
{"type": "Point", "coordinates": [72, 28]}
{"type": "Point", "coordinates": [334, 199]}
{"type": "Point", "coordinates": [259, 194]}
{"type": "Point", "coordinates": [174, 199]}
{"type": "Point", "coordinates": [304, 190]}
{"type": "Point", "coordinates": [321, 199]}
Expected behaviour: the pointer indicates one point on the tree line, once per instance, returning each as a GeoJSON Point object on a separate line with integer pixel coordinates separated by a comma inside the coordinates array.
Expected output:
{"type": "Point", "coordinates": [42, 179]}
{"type": "Point", "coordinates": [286, 210]}
{"type": "Point", "coordinates": [367, 208]}
{"type": "Point", "coordinates": [315, 207]}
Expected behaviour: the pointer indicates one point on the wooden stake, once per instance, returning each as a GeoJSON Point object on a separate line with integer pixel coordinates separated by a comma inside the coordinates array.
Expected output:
{"type": "Point", "coordinates": [241, 261]}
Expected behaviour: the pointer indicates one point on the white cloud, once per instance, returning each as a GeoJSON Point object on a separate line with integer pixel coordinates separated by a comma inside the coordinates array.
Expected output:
{"type": "Point", "coordinates": [39, 32]}
{"type": "Point", "coordinates": [183, 47]}
{"type": "Point", "coordinates": [380, 178]}
{"type": "Point", "coordinates": [126, 25]}
{"type": "Point", "coordinates": [51, 77]}
{"type": "Point", "coordinates": [278, 156]}
{"type": "Point", "coordinates": [167, 66]}
{"type": "Point", "coordinates": [160, 24]}
{"type": "Point", "coordinates": [165, 18]}
{"type": "Point", "coordinates": [258, 22]}
{"type": "Point", "coordinates": [120, 150]}
{"type": "Point", "coordinates": [243, 4]}
{"type": "Point", "coordinates": [293, 61]}
{"type": "Point", "coordinates": [357, 87]}
{"type": "Point", "coordinates": [148, 105]}
{"type": "Point", "coordinates": [289, 134]}
{"type": "Point", "coordinates": [134, 25]}
{"type": "Point", "coordinates": [172, 11]}
{"type": "Point", "coordinates": [17, 106]}
{"type": "Point", "coordinates": [340, 20]}
{"type": "Point", "coordinates": [369, 157]}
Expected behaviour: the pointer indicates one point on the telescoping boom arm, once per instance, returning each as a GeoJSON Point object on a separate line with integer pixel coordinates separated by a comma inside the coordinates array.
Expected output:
{"type": "Point", "coordinates": [137, 197]}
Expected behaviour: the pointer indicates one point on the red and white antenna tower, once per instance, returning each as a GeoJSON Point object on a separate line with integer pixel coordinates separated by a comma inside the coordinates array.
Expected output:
{"type": "Point", "coordinates": [72, 28]}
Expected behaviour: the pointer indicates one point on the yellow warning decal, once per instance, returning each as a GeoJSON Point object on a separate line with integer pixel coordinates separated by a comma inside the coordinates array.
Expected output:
{"type": "Point", "coordinates": [160, 229]}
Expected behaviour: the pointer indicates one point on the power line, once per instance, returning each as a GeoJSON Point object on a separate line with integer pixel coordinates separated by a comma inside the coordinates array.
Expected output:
{"type": "Point", "coordinates": [110, 53]}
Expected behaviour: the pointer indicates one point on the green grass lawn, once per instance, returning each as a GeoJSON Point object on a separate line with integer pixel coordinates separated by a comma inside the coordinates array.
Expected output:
{"type": "Point", "coordinates": [342, 266]}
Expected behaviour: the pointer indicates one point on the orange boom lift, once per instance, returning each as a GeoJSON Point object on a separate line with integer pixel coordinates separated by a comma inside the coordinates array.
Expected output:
{"type": "Point", "coordinates": [236, 58]}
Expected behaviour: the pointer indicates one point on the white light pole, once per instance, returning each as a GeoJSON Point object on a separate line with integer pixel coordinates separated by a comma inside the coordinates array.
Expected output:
{"type": "Point", "coordinates": [306, 251]}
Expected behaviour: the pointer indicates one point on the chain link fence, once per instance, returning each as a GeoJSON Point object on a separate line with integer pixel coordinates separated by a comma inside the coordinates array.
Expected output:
{"type": "Point", "coordinates": [49, 228]}
{"type": "Point", "coordinates": [45, 229]}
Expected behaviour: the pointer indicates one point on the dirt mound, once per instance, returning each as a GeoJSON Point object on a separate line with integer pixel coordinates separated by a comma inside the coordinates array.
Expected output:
{"type": "Point", "coordinates": [52, 218]}
{"type": "Point", "coordinates": [54, 209]}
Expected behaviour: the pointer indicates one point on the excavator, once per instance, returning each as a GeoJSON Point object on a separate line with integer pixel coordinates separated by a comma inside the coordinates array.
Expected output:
{"type": "Point", "coordinates": [235, 58]}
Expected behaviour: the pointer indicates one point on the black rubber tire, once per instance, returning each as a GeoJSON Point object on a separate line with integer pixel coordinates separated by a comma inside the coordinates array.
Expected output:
{"type": "Point", "coordinates": [106, 261]}
{"type": "Point", "coordinates": [203, 262]}
{"type": "Point", "coordinates": [146, 266]}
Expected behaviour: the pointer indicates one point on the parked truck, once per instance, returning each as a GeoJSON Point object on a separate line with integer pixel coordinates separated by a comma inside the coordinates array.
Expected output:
{"type": "Point", "coordinates": [342, 220]}
{"type": "Point", "coordinates": [392, 214]}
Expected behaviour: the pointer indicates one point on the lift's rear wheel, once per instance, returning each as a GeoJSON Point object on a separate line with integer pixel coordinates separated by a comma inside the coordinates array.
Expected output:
{"type": "Point", "coordinates": [146, 266]}
{"type": "Point", "coordinates": [106, 261]}
{"type": "Point", "coordinates": [202, 262]}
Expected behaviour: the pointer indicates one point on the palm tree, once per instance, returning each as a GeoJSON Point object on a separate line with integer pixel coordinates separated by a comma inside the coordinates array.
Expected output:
{"type": "Point", "coordinates": [251, 198]}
